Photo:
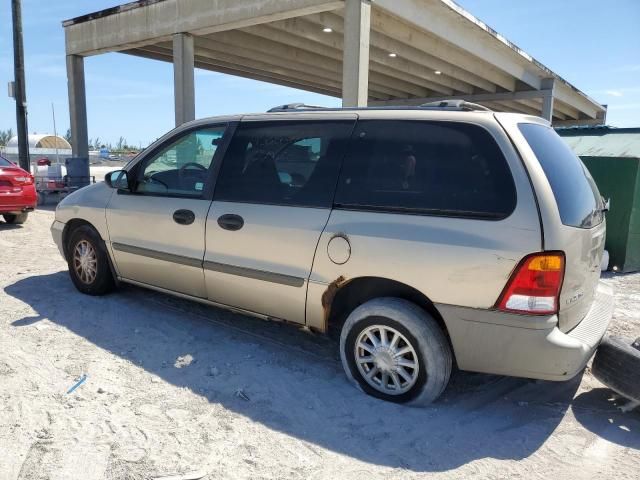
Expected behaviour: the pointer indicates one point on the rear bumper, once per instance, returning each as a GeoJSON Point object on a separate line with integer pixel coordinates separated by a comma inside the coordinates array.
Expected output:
{"type": "Point", "coordinates": [13, 209]}
{"type": "Point", "coordinates": [522, 346]}
{"type": "Point", "coordinates": [57, 230]}
{"type": "Point", "coordinates": [23, 201]}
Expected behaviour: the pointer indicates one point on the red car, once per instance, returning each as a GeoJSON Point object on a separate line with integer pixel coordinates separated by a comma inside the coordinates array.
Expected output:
{"type": "Point", "coordinates": [18, 194]}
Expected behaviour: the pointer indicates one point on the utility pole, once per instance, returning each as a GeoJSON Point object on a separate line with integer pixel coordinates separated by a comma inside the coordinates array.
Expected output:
{"type": "Point", "coordinates": [20, 90]}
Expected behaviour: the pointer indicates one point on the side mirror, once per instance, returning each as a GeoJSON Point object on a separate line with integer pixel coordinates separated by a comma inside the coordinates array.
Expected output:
{"type": "Point", "coordinates": [117, 179]}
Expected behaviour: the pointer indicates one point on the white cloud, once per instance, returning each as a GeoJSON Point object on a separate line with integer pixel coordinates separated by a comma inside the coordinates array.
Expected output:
{"type": "Point", "coordinates": [614, 93]}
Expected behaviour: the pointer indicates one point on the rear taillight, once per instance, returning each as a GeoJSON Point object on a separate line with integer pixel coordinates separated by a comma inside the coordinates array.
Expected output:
{"type": "Point", "coordinates": [24, 180]}
{"type": "Point", "coordinates": [534, 286]}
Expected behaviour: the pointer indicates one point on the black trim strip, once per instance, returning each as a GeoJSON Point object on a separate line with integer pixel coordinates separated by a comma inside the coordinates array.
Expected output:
{"type": "Point", "coordinates": [272, 277]}
{"type": "Point", "coordinates": [256, 274]}
{"type": "Point", "coordinates": [166, 257]}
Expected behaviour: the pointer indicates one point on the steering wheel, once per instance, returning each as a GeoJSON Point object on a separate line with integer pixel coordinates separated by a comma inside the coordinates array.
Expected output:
{"type": "Point", "coordinates": [150, 177]}
{"type": "Point", "coordinates": [184, 167]}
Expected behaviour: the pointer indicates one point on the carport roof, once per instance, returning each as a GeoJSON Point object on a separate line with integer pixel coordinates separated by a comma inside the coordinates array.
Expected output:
{"type": "Point", "coordinates": [420, 50]}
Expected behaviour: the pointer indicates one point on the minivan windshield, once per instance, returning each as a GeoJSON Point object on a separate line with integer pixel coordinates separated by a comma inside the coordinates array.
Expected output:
{"type": "Point", "coordinates": [575, 191]}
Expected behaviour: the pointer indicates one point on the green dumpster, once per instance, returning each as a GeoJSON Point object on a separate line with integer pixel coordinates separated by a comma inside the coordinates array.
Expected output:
{"type": "Point", "coordinates": [618, 178]}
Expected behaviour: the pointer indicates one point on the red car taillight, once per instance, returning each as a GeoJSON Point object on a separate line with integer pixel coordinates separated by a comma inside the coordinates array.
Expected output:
{"type": "Point", "coordinates": [24, 180]}
{"type": "Point", "coordinates": [534, 286]}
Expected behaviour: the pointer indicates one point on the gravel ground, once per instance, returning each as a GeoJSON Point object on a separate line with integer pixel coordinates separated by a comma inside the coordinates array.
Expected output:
{"type": "Point", "coordinates": [174, 387]}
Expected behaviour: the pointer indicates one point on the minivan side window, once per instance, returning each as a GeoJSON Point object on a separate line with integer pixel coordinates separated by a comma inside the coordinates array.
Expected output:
{"type": "Point", "coordinates": [284, 163]}
{"type": "Point", "coordinates": [182, 167]}
{"type": "Point", "coordinates": [422, 167]}
{"type": "Point", "coordinates": [576, 193]}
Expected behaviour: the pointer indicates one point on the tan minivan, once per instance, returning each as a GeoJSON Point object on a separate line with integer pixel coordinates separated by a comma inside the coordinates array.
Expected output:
{"type": "Point", "coordinates": [424, 236]}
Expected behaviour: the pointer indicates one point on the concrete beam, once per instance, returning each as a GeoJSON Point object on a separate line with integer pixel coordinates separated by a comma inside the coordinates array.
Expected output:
{"type": "Point", "coordinates": [567, 94]}
{"type": "Point", "coordinates": [355, 63]}
{"type": "Point", "coordinates": [480, 97]}
{"type": "Point", "coordinates": [417, 39]}
{"type": "Point", "coordinates": [547, 98]}
{"type": "Point", "coordinates": [215, 65]}
{"type": "Point", "coordinates": [331, 46]}
{"type": "Point", "coordinates": [127, 28]}
{"type": "Point", "coordinates": [565, 109]}
{"type": "Point", "coordinates": [519, 107]}
{"type": "Point", "coordinates": [77, 106]}
{"type": "Point", "coordinates": [224, 63]}
{"type": "Point", "coordinates": [276, 55]}
{"type": "Point", "coordinates": [408, 62]}
{"type": "Point", "coordinates": [268, 56]}
{"type": "Point", "coordinates": [443, 21]}
{"type": "Point", "coordinates": [183, 78]}
{"type": "Point", "coordinates": [406, 51]}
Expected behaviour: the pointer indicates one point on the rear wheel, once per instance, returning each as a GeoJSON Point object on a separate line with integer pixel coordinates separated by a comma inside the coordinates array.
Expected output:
{"type": "Point", "coordinates": [88, 262]}
{"type": "Point", "coordinates": [393, 350]}
{"type": "Point", "coordinates": [16, 218]}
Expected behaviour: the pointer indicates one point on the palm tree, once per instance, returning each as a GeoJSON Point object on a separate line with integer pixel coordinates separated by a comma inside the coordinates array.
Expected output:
{"type": "Point", "coordinates": [5, 136]}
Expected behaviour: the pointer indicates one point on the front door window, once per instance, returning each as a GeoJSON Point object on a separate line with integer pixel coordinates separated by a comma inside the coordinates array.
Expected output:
{"type": "Point", "coordinates": [182, 168]}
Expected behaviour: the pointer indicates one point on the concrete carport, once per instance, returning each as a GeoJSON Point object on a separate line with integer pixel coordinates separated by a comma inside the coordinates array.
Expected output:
{"type": "Point", "coordinates": [382, 52]}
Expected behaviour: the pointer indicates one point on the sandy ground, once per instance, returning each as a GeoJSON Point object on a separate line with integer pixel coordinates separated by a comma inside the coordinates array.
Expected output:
{"type": "Point", "coordinates": [174, 387]}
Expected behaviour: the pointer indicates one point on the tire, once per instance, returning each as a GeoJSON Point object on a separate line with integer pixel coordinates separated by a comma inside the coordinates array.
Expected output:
{"type": "Point", "coordinates": [96, 277]}
{"type": "Point", "coordinates": [16, 219]}
{"type": "Point", "coordinates": [415, 329]}
{"type": "Point", "coordinates": [617, 365]}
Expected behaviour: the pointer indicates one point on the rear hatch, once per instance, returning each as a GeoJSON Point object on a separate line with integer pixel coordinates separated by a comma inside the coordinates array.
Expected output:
{"type": "Point", "coordinates": [580, 234]}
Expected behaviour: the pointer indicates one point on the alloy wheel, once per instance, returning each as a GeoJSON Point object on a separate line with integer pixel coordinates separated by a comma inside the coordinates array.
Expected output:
{"type": "Point", "coordinates": [85, 262]}
{"type": "Point", "coordinates": [386, 359]}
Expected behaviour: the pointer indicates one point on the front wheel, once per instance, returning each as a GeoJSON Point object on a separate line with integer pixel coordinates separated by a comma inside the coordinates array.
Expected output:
{"type": "Point", "coordinates": [88, 262]}
{"type": "Point", "coordinates": [16, 219]}
{"type": "Point", "coordinates": [393, 350]}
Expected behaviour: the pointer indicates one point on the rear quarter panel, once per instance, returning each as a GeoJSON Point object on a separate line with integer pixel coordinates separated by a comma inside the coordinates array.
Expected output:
{"type": "Point", "coordinates": [583, 247]}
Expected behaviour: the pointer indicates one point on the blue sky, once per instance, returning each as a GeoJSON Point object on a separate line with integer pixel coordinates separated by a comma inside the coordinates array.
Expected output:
{"type": "Point", "coordinates": [593, 44]}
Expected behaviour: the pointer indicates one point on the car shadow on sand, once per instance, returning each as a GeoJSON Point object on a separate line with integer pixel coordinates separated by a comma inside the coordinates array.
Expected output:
{"type": "Point", "coordinates": [9, 226]}
{"type": "Point", "coordinates": [295, 384]}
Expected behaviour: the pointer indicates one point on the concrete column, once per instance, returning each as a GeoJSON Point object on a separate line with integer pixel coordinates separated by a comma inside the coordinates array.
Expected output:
{"type": "Point", "coordinates": [183, 84]}
{"type": "Point", "coordinates": [355, 62]}
{"type": "Point", "coordinates": [77, 106]}
{"type": "Point", "coordinates": [547, 86]}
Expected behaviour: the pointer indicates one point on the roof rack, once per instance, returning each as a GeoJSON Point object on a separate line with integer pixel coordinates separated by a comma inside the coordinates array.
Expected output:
{"type": "Point", "coordinates": [294, 106]}
{"type": "Point", "coordinates": [452, 105]}
{"type": "Point", "coordinates": [461, 105]}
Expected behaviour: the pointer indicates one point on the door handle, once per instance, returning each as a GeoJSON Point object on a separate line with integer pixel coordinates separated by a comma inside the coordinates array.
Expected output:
{"type": "Point", "coordinates": [184, 217]}
{"type": "Point", "coordinates": [231, 222]}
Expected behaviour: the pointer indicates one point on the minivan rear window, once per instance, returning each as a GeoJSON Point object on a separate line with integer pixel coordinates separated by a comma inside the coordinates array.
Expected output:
{"type": "Point", "coordinates": [450, 169]}
{"type": "Point", "coordinates": [576, 193]}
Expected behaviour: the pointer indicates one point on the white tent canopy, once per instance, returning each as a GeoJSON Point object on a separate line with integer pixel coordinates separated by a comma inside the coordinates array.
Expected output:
{"type": "Point", "coordinates": [41, 144]}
